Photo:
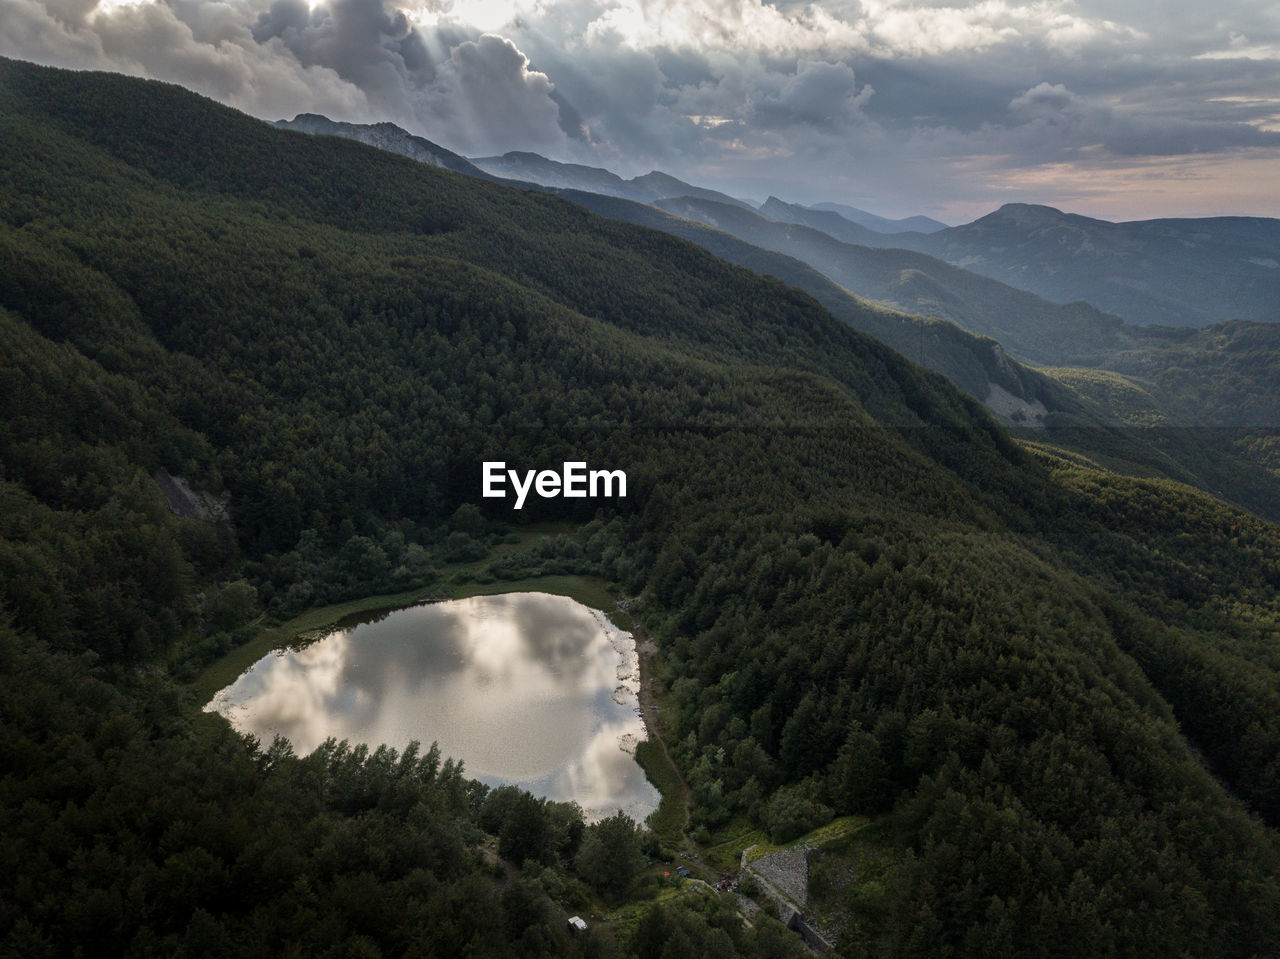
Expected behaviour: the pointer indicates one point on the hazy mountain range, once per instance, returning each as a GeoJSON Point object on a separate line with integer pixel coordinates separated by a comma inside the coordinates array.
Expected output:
{"type": "Point", "coordinates": [1174, 272]}
{"type": "Point", "coordinates": [533, 168]}
{"type": "Point", "coordinates": [384, 136]}
{"type": "Point", "coordinates": [1171, 272]}
{"type": "Point", "coordinates": [911, 224]}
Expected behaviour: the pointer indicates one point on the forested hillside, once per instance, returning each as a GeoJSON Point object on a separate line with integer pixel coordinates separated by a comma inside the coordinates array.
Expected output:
{"type": "Point", "coordinates": [965, 323]}
{"type": "Point", "coordinates": [869, 598]}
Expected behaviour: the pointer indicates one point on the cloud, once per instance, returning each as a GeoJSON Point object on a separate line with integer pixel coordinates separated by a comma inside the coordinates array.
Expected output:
{"type": "Point", "coordinates": [896, 104]}
{"type": "Point", "coordinates": [1057, 120]}
{"type": "Point", "coordinates": [820, 95]}
{"type": "Point", "coordinates": [494, 100]}
{"type": "Point", "coordinates": [358, 60]}
{"type": "Point", "coordinates": [1046, 100]}
{"type": "Point", "coordinates": [720, 25]}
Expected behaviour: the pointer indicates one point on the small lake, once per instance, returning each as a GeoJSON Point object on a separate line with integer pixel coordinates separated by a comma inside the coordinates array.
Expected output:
{"type": "Point", "coordinates": [524, 688]}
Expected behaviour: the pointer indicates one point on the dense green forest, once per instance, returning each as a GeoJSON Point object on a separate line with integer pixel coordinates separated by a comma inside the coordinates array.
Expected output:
{"type": "Point", "coordinates": [1055, 687]}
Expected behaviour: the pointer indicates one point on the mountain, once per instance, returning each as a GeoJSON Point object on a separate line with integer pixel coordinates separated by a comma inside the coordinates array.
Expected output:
{"type": "Point", "coordinates": [1190, 272]}
{"type": "Point", "coordinates": [659, 185]}
{"type": "Point", "coordinates": [979, 367]}
{"type": "Point", "coordinates": [912, 224]}
{"type": "Point", "coordinates": [1206, 440]}
{"type": "Point", "coordinates": [1202, 396]}
{"type": "Point", "coordinates": [1003, 668]}
{"type": "Point", "coordinates": [1028, 326]}
{"type": "Point", "coordinates": [831, 223]}
{"type": "Point", "coordinates": [1216, 376]}
{"type": "Point", "coordinates": [975, 364]}
{"type": "Point", "coordinates": [1173, 272]}
{"type": "Point", "coordinates": [1200, 426]}
{"type": "Point", "coordinates": [532, 168]}
{"type": "Point", "coordinates": [384, 136]}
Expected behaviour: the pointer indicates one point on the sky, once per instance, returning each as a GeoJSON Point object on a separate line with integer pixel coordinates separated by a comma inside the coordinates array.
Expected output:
{"type": "Point", "coordinates": [1120, 109]}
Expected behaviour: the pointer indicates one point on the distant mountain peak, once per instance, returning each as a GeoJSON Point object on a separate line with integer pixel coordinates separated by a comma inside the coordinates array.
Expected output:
{"type": "Point", "coordinates": [879, 224]}
{"type": "Point", "coordinates": [1028, 215]}
{"type": "Point", "coordinates": [1040, 207]}
{"type": "Point", "coordinates": [1030, 209]}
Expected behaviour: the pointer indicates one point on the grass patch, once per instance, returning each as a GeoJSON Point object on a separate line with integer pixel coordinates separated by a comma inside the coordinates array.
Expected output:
{"type": "Point", "coordinates": [848, 886]}
{"type": "Point", "coordinates": [725, 852]}
{"type": "Point", "coordinates": [626, 919]}
{"type": "Point", "coordinates": [588, 590]}
{"type": "Point", "coordinates": [833, 832]}
{"type": "Point", "coordinates": [836, 830]}
{"type": "Point", "coordinates": [728, 843]}
{"type": "Point", "coordinates": [668, 820]}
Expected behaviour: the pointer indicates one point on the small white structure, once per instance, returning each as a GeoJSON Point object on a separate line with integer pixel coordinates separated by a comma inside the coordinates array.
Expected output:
{"type": "Point", "coordinates": [576, 924]}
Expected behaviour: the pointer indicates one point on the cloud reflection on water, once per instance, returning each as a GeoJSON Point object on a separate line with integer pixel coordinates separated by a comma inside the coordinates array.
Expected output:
{"type": "Point", "coordinates": [525, 688]}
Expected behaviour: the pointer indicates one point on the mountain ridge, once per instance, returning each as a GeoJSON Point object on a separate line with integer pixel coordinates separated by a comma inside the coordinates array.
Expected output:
{"type": "Point", "coordinates": [1175, 272]}
{"type": "Point", "coordinates": [384, 136]}
{"type": "Point", "coordinates": [911, 224]}
{"type": "Point", "coordinates": [535, 168]}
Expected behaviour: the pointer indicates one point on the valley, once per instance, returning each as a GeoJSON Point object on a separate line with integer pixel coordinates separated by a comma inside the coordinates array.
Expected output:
{"type": "Point", "coordinates": [966, 663]}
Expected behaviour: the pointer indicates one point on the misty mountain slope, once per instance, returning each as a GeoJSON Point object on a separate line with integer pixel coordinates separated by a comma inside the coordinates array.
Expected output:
{"type": "Point", "coordinates": [975, 364]}
{"type": "Point", "coordinates": [1205, 396]}
{"type": "Point", "coordinates": [1053, 407]}
{"type": "Point", "coordinates": [1172, 272]}
{"type": "Point", "coordinates": [831, 223]}
{"type": "Point", "coordinates": [533, 168]}
{"type": "Point", "coordinates": [1024, 324]}
{"type": "Point", "coordinates": [1212, 388]}
{"type": "Point", "coordinates": [1215, 376]}
{"type": "Point", "coordinates": [870, 599]}
{"type": "Point", "coordinates": [911, 224]}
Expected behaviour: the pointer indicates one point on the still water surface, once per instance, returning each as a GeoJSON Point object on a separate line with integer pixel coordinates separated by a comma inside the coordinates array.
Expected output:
{"type": "Point", "coordinates": [524, 688]}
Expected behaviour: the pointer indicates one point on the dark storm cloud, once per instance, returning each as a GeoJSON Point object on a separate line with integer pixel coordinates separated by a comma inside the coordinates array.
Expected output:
{"type": "Point", "coordinates": [1050, 118]}
{"type": "Point", "coordinates": [360, 40]}
{"type": "Point", "coordinates": [824, 96]}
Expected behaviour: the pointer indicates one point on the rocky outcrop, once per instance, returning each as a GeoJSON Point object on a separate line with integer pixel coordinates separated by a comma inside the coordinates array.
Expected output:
{"type": "Point", "coordinates": [183, 501]}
